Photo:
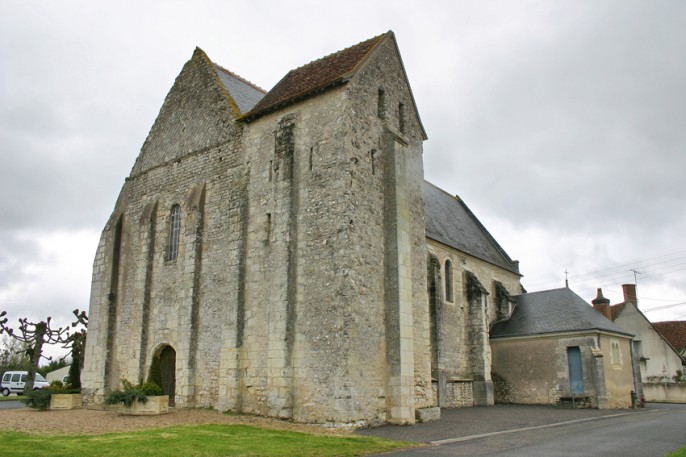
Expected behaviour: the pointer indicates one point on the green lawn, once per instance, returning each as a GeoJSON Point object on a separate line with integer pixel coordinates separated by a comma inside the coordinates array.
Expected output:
{"type": "Point", "coordinates": [678, 453]}
{"type": "Point", "coordinates": [201, 440]}
{"type": "Point", "coordinates": [12, 397]}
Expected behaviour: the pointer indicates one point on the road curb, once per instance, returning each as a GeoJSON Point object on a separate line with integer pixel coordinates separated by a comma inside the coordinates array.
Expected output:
{"type": "Point", "coordinates": [536, 427]}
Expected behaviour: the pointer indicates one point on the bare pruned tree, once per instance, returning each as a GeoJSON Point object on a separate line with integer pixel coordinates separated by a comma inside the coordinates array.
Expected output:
{"type": "Point", "coordinates": [77, 343]}
{"type": "Point", "coordinates": [34, 335]}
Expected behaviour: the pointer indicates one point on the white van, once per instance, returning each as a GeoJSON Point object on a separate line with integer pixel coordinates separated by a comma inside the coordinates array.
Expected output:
{"type": "Point", "coordinates": [14, 382]}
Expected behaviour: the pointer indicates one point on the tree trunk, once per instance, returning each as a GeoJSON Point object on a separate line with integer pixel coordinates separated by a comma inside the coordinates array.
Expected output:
{"type": "Point", "coordinates": [35, 360]}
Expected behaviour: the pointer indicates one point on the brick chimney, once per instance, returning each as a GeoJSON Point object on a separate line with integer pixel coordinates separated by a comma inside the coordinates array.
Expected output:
{"type": "Point", "coordinates": [630, 293]}
{"type": "Point", "coordinates": [602, 305]}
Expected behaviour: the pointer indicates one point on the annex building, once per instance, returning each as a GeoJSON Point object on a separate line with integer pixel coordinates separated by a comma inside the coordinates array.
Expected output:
{"type": "Point", "coordinates": [279, 253]}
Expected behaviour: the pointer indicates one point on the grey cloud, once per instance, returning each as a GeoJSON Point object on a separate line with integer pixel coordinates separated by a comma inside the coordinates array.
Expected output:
{"type": "Point", "coordinates": [559, 116]}
{"type": "Point", "coordinates": [582, 128]}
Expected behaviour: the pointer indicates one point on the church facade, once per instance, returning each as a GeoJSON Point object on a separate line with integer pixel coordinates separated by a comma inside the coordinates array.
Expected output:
{"type": "Point", "coordinates": [269, 253]}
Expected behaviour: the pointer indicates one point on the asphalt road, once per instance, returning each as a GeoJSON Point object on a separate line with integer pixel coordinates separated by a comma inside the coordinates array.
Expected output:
{"type": "Point", "coordinates": [11, 404]}
{"type": "Point", "coordinates": [652, 432]}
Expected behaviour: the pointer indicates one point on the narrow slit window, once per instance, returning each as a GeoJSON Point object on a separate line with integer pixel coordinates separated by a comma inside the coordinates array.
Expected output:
{"type": "Point", "coordinates": [174, 233]}
{"type": "Point", "coordinates": [268, 228]}
{"type": "Point", "coordinates": [381, 104]}
{"type": "Point", "coordinates": [373, 159]}
{"type": "Point", "coordinates": [401, 117]}
{"type": "Point", "coordinates": [311, 151]}
{"type": "Point", "coordinates": [448, 280]}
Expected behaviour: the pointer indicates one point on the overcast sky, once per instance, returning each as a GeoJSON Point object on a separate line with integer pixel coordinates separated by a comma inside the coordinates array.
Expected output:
{"type": "Point", "coordinates": [562, 124]}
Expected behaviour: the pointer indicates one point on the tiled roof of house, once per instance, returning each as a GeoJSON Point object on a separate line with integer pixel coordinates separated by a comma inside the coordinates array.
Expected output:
{"type": "Point", "coordinates": [449, 221]}
{"type": "Point", "coordinates": [553, 311]}
{"type": "Point", "coordinates": [674, 332]}
{"type": "Point", "coordinates": [316, 76]}
{"type": "Point", "coordinates": [244, 93]}
{"type": "Point", "coordinates": [617, 309]}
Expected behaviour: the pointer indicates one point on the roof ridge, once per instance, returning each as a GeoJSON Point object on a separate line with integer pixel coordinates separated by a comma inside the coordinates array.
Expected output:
{"type": "Point", "coordinates": [314, 77]}
{"type": "Point", "coordinates": [328, 56]}
{"type": "Point", "coordinates": [546, 290]}
{"type": "Point", "coordinates": [239, 77]}
{"type": "Point", "coordinates": [363, 59]}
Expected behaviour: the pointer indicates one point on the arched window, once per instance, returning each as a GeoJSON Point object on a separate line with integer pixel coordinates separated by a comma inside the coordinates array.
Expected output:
{"type": "Point", "coordinates": [174, 233]}
{"type": "Point", "coordinates": [448, 280]}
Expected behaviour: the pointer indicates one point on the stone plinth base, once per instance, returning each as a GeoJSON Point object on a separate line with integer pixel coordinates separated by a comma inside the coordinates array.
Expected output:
{"type": "Point", "coordinates": [65, 401]}
{"type": "Point", "coordinates": [428, 414]}
{"type": "Point", "coordinates": [154, 405]}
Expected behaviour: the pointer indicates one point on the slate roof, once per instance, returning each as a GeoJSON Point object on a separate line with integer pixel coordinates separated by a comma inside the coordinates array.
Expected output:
{"type": "Point", "coordinates": [244, 93]}
{"type": "Point", "coordinates": [674, 332]}
{"type": "Point", "coordinates": [552, 311]}
{"type": "Point", "coordinates": [316, 76]}
{"type": "Point", "coordinates": [449, 221]}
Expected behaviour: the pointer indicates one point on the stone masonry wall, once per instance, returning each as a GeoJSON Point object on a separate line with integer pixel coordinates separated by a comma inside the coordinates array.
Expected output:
{"type": "Point", "coordinates": [278, 301]}
{"type": "Point", "coordinates": [196, 116]}
{"type": "Point", "coordinates": [617, 366]}
{"type": "Point", "coordinates": [385, 128]}
{"type": "Point", "coordinates": [455, 318]}
{"type": "Point", "coordinates": [161, 302]}
{"type": "Point", "coordinates": [535, 370]}
{"type": "Point", "coordinates": [459, 393]}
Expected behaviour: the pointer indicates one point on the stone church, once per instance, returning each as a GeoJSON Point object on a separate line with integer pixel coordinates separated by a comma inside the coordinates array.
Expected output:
{"type": "Point", "coordinates": [279, 253]}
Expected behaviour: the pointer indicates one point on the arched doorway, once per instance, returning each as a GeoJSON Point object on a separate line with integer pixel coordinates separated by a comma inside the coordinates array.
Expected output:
{"type": "Point", "coordinates": [168, 372]}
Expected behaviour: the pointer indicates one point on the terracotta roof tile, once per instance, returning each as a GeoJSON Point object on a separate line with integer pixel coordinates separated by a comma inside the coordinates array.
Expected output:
{"type": "Point", "coordinates": [674, 332]}
{"type": "Point", "coordinates": [617, 310]}
{"type": "Point", "coordinates": [319, 75]}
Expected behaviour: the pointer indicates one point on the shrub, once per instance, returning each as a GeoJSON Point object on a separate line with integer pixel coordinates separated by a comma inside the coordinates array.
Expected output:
{"type": "Point", "coordinates": [126, 397]}
{"type": "Point", "coordinates": [56, 387]}
{"type": "Point", "coordinates": [151, 389]}
{"type": "Point", "coordinates": [154, 373]}
{"type": "Point", "coordinates": [132, 393]}
{"type": "Point", "coordinates": [38, 399]}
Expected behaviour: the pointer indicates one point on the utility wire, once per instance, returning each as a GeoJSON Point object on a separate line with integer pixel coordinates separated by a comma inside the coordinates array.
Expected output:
{"type": "Point", "coordinates": [616, 270]}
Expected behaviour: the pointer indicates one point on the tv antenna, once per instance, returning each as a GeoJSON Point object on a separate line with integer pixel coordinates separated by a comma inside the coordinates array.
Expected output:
{"type": "Point", "coordinates": [636, 272]}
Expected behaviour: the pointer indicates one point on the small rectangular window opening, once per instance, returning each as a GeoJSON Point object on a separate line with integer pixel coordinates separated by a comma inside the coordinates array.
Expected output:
{"type": "Point", "coordinates": [381, 107]}
{"type": "Point", "coordinates": [269, 227]}
{"type": "Point", "coordinates": [372, 153]}
{"type": "Point", "coordinates": [311, 150]}
{"type": "Point", "coordinates": [401, 117]}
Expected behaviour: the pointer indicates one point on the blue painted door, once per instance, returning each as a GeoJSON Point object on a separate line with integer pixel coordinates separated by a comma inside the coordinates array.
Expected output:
{"type": "Point", "coordinates": [576, 375]}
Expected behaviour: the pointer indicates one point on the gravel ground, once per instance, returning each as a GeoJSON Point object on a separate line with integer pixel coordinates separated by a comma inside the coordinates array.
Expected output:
{"type": "Point", "coordinates": [93, 422]}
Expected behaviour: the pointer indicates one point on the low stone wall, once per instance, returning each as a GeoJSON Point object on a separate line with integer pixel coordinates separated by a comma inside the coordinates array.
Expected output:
{"type": "Point", "coordinates": [458, 393]}
{"type": "Point", "coordinates": [664, 392]}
